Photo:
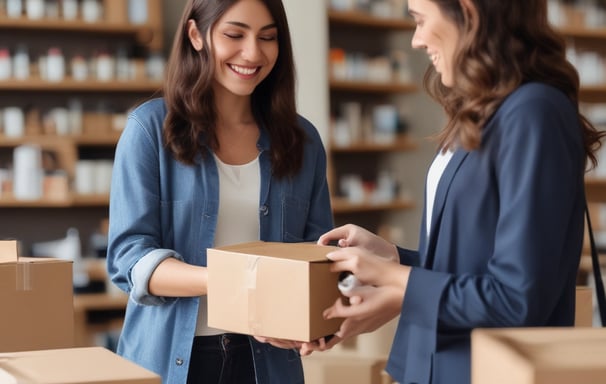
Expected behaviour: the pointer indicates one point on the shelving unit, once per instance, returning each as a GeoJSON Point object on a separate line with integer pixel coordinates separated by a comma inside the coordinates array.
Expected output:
{"type": "Point", "coordinates": [103, 101]}
{"type": "Point", "coordinates": [360, 33]}
{"type": "Point", "coordinates": [593, 40]}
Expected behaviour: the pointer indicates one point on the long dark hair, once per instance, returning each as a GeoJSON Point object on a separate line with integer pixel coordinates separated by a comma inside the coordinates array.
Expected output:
{"type": "Point", "coordinates": [191, 120]}
{"type": "Point", "coordinates": [503, 44]}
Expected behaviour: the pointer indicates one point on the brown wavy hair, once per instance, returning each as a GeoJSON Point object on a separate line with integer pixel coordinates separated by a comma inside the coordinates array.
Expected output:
{"type": "Point", "coordinates": [503, 45]}
{"type": "Point", "coordinates": [191, 120]}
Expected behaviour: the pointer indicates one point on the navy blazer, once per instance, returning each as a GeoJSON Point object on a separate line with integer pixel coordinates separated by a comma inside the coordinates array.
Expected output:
{"type": "Point", "coordinates": [505, 240]}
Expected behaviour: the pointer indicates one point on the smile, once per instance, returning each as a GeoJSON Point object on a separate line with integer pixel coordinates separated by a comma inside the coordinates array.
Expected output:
{"type": "Point", "coordinates": [246, 71]}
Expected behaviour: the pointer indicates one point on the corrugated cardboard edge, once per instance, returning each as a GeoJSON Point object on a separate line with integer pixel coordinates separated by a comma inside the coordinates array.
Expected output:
{"type": "Point", "coordinates": [8, 251]}
{"type": "Point", "coordinates": [97, 360]}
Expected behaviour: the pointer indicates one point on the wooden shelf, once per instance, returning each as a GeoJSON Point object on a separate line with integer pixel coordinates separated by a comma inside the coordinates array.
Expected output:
{"type": "Point", "coordinates": [106, 138]}
{"type": "Point", "coordinates": [73, 200]}
{"type": "Point", "coordinates": [341, 206]}
{"type": "Point", "coordinates": [371, 87]}
{"type": "Point", "coordinates": [364, 19]}
{"type": "Point", "coordinates": [595, 189]}
{"type": "Point", "coordinates": [80, 26]}
{"type": "Point", "coordinates": [584, 33]}
{"type": "Point", "coordinates": [71, 85]}
{"type": "Point", "coordinates": [593, 94]}
{"type": "Point", "coordinates": [401, 143]}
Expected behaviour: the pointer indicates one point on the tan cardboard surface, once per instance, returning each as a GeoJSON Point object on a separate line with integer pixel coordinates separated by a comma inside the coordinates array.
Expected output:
{"type": "Point", "coordinates": [539, 356]}
{"type": "Point", "coordinates": [8, 251]}
{"type": "Point", "coordinates": [37, 304]}
{"type": "Point", "coordinates": [272, 289]}
{"type": "Point", "coordinates": [74, 365]}
{"type": "Point", "coordinates": [320, 368]}
{"type": "Point", "coordinates": [583, 316]}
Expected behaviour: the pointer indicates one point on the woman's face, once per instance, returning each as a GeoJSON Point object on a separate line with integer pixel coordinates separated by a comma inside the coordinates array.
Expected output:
{"type": "Point", "coordinates": [436, 34]}
{"type": "Point", "coordinates": [244, 43]}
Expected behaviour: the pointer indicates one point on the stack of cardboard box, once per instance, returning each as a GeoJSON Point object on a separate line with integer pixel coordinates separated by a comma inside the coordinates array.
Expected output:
{"type": "Point", "coordinates": [37, 328]}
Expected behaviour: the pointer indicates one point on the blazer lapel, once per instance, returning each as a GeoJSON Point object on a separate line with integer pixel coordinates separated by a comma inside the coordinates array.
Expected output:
{"type": "Point", "coordinates": [440, 199]}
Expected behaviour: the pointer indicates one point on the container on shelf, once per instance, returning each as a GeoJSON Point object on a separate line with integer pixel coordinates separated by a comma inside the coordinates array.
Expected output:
{"type": "Point", "coordinates": [21, 63]}
{"type": "Point", "coordinates": [34, 9]}
{"type": "Point", "coordinates": [27, 172]}
{"type": "Point", "coordinates": [55, 65]}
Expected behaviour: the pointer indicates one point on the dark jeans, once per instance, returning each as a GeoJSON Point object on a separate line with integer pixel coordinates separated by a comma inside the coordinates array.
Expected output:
{"type": "Point", "coordinates": [221, 359]}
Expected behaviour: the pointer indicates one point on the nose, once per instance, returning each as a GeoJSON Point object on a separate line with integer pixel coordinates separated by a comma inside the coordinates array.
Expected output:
{"type": "Point", "coordinates": [417, 42]}
{"type": "Point", "coordinates": [251, 50]}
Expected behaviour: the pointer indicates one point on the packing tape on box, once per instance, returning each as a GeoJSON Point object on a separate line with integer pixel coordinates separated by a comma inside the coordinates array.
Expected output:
{"type": "Point", "coordinates": [24, 281]}
{"type": "Point", "coordinates": [251, 285]}
{"type": "Point", "coordinates": [7, 378]}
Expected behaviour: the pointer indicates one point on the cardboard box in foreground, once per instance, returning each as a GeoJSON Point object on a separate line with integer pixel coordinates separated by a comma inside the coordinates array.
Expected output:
{"type": "Point", "coordinates": [37, 304]}
{"type": "Point", "coordinates": [323, 368]}
{"type": "Point", "coordinates": [271, 289]}
{"type": "Point", "coordinates": [538, 356]}
{"type": "Point", "coordinates": [95, 365]}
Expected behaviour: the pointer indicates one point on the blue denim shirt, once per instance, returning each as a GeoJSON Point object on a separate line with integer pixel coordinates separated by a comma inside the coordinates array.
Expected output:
{"type": "Point", "coordinates": [161, 208]}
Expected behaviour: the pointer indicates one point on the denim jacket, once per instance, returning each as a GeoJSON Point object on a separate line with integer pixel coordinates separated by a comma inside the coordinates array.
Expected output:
{"type": "Point", "coordinates": [161, 208]}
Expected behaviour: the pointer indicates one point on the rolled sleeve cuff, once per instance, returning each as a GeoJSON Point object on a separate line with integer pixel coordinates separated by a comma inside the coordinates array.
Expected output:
{"type": "Point", "coordinates": [141, 274]}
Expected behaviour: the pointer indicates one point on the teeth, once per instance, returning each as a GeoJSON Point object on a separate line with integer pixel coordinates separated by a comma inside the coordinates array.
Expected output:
{"type": "Point", "coordinates": [243, 70]}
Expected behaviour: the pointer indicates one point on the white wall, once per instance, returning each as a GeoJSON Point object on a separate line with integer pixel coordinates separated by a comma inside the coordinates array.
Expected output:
{"type": "Point", "coordinates": [308, 29]}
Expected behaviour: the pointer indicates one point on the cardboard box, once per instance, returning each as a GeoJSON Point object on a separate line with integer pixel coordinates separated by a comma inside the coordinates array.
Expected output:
{"type": "Point", "coordinates": [538, 356]}
{"type": "Point", "coordinates": [322, 368]}
{"type": "Point", "coordinates": [272, 289]}
{"type": "Point", "coordinates": [72, 365]}
{"type": "Point", "coordinates": [36, 295]}
{"type": "Point", "coordinates": [583, 316]}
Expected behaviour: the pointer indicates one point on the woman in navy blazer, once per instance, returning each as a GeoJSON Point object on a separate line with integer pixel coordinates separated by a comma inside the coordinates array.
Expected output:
{"type": "Point", "coordinates": [503, 224]}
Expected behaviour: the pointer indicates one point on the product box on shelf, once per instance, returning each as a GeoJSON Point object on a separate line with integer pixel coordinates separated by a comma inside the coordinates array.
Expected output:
{"type": "Point", "coordinates": [545, 355]}
{"type": "Point", "coordinates": [272, 289]}
{"type": "Point", "coordinates": [36, 295]}
{"type": "Point", "coordinates": [72, 366]}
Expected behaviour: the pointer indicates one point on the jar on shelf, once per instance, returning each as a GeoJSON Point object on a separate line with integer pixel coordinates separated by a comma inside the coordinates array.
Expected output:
{"type": "Point", "coordinates": [34, 9]}
{"type": "Point", "coordinates": [21, 63]}
{"type": "Point", "coordinates": [79, 68]}
{"type": "Point", "coordinates": [104, 67]}
{"type": "Point", "coordinates": [55, 65]}
{"type": "Point", "coordinates": [14, 8]}
{"type": "Point", "coordinates": [137, 11]}
{"type": "Point", "coordinates": [92, 11]}
{"type": "Point", "coordinates": [5, 64]}
{"type": "Point", "coordinates": [69, 9]}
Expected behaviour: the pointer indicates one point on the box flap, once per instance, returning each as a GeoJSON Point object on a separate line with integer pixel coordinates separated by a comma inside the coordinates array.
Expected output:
{"type": "Point", "coordinates": [74, 365]}
{"type": "Point", "coordinates": [308, 252]}
{"type": "Point", "coordinates": [8, 251]}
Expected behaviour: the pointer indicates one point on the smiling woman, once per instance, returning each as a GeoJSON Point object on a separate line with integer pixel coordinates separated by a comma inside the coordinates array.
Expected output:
{"type": "Point", "coordinates": [222, 158]}
{"type": "Point", "coordinates": [502, 233]}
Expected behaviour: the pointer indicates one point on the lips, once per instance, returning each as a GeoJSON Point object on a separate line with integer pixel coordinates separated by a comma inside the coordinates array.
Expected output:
{"type": "Point", "coordinates": [245, 71]}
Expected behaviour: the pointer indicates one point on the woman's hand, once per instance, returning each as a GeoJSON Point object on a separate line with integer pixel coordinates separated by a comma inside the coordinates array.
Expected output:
{"type": "Point", "coordinates": [368, 268]}
{"type": "Point", "coordinates": [351, 235]}
{"type": "Point", "coordinates": [368, 310]}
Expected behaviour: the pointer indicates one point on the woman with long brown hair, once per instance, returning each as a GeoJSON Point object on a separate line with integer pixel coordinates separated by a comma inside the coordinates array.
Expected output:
{"type": "Point", "coordinates": [502, 230]}
{"type": "Point", "coordinates": [222, 158]}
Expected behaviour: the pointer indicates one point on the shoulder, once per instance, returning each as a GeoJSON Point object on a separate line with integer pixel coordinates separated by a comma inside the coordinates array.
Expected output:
{"type": "Point", "coordinates": [309, 128]}
{"type": "Point", "coordinates": [153, 109]}
{"type": "Point", "coordinates": [530, 96]}
{"type": "Point", "coordinates": [535, 113]}
{"type": "Point", "coordinates": [145, 121]}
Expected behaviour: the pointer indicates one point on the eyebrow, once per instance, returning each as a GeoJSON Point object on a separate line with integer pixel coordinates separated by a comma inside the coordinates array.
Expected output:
{"type": "Point", "coordinates": [246, 26]}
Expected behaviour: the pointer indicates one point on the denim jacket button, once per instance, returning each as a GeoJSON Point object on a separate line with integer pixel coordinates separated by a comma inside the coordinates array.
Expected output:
{"type": "Point", "coordinates": [264, 210]}
{"type": "Point", "coordinates": [179, 361]}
